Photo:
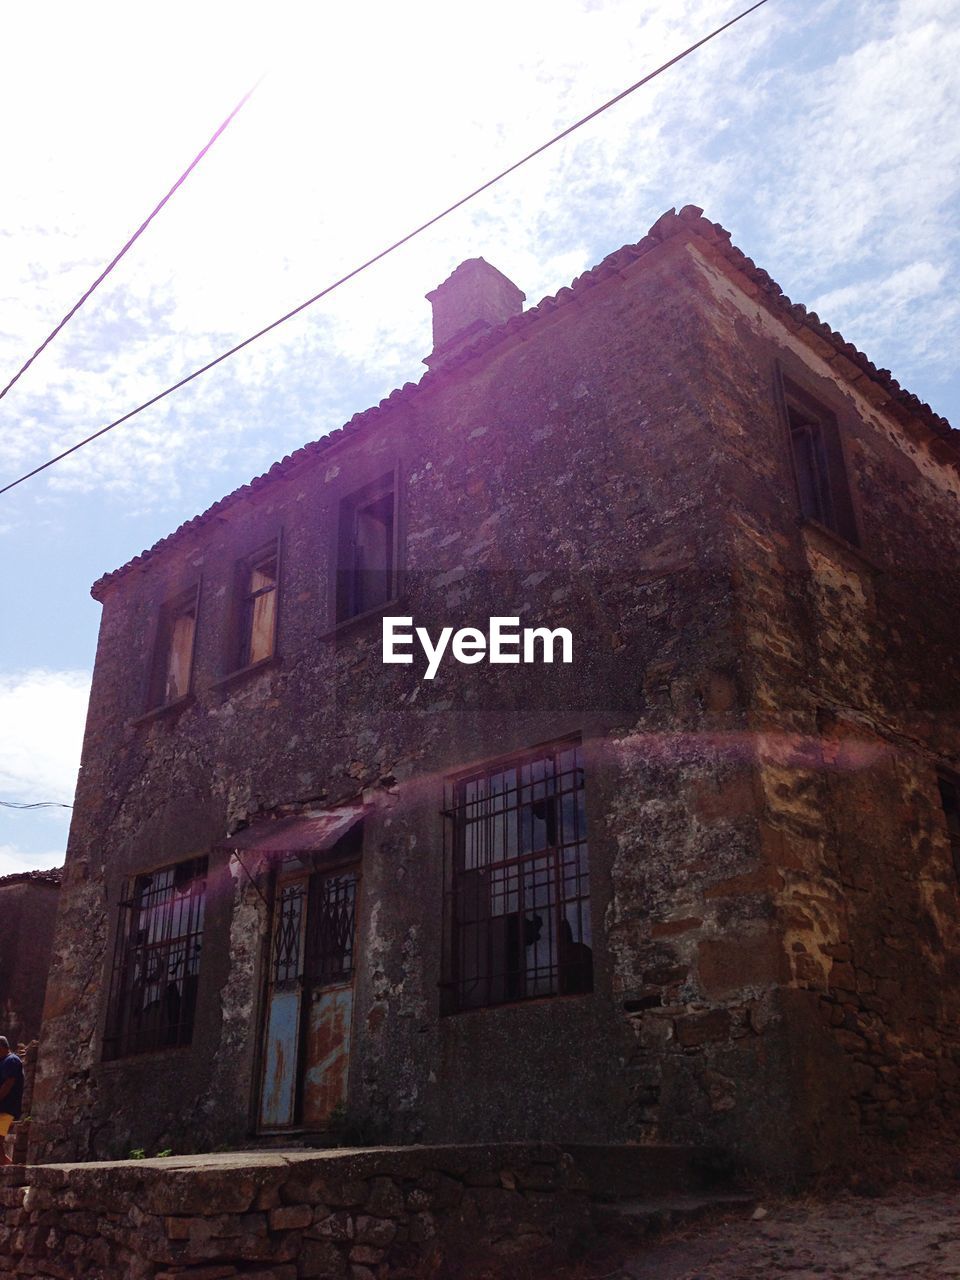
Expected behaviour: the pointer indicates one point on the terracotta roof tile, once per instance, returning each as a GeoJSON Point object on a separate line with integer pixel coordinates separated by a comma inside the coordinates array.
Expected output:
{"type": "Point", "coordinates": [52, 876]}
{"type": "Point", "coordinates": [881, 388]}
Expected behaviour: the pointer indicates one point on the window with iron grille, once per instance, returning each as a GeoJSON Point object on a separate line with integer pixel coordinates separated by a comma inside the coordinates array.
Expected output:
{"type": "Point", "coordinates": [320, 950]}
{"type": "Point", "coordinates": [822, 487]}
{"type": "Point", "coordinates": [330, 941]}
{"type": "Point", "coordinates": [518, 891]}
{"type": "Point", "coordinates": [153, 989]}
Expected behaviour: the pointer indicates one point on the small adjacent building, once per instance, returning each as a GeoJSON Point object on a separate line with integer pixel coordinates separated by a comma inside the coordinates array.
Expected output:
{"type": "Point", "coordinates": [28, 912]}
{"type": "Point", "coordinates": [699, 883]}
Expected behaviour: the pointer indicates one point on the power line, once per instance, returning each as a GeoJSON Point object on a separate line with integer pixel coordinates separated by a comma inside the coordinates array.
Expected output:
{"type": "Point", "coordinates": [424, 226]}
{"type": "Point", "coordinates": [132, 241]}
{"type": "Point", "coordinates": [39, 804]}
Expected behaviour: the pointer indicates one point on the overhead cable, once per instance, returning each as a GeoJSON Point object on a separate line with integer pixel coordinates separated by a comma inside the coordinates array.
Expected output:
{"type": "Point", "coordinates": [131, 242]}
{"type": "Point", "coordinates": [424, 226]}
{"type": "Point", "coordinates": [38, 804]}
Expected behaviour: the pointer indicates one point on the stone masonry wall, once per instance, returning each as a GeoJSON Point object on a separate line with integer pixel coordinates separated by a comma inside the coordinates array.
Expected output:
{"type": "Point", "coordinates": [762, 710]}
{"type": "Point", "coordinates": [455, 1212]}
{"type": "Point", "coordinates": [854, 689]}
{"type": "Point", "coordinates": [567, 479]}
{"type": "Point", "coordinates": [28, 907]}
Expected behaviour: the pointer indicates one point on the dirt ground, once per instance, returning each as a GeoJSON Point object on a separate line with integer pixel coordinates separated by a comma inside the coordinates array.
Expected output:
{"type": "Point", "coordinates": [902, 1234]}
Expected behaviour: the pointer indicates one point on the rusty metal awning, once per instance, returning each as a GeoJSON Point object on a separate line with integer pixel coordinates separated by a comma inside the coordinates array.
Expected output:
{"type": "Point", "coordinates": [314, 834]}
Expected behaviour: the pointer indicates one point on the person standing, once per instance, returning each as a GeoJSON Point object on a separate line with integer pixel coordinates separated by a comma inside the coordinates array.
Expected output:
{"type": "Point", "coordinates": [11, 1093]}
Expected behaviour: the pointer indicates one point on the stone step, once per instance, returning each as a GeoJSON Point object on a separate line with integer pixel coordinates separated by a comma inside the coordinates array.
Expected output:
{"type": "Point", "coordinates": [636, 1219]}
{"type": "Point", "coordinates": [644, 1170]}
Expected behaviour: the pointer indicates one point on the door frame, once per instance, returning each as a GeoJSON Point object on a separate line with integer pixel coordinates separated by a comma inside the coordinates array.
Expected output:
{"type": "Point", "coordinates": [311, 869]}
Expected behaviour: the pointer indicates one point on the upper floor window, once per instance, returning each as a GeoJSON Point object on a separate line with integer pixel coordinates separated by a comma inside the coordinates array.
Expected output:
{"type": "Point", "coordinates": [818, 465]}
{"type": "Point", "coordinates": [153, 987]}
{"type": "Point", "coordinates": [257, 586]}
{"type": "Point", "coordinates": [172, 667]}
{"type": "Point", "coordinates": [518, 883]}
{"type": "Point", "coordinates": [366, 559]}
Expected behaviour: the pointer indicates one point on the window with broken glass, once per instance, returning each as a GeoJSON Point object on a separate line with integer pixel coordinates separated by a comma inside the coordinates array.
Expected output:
{"type": "Point", "coordinates": [518, 889]}
{"type": "Point", "coordinates": [172, 668]}
{"type": "Point", "coordinates": [153, 988]}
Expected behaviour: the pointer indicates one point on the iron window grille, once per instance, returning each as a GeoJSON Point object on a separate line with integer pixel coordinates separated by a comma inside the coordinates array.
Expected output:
{"type": "Point", "coordinates": [288, 935]}
{"type": "Point", "coordinates": [319, 948]}
{"type": "Point", "coordinates": [330, 938]}
{"type": "Point", "coordinates": [153, 988]}
{"type": "Point", "coordinates": [517, 882]}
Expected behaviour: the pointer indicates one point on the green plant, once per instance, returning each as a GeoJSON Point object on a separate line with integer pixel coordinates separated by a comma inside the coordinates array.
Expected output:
{"type": "Point", "coordinates": [137, 1153]}
{"type": "Point", "coordinates": [167, 1151]}
{"type": "Point", "coordinates": [338, 1116]}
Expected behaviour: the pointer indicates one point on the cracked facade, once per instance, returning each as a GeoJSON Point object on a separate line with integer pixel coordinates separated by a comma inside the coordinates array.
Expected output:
{"type": "Point", "coordinates": [696, 885]}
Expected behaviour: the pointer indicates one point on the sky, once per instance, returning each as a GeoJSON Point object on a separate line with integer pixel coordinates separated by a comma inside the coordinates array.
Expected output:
{"type": "Point", "coordinates": [823, 134]}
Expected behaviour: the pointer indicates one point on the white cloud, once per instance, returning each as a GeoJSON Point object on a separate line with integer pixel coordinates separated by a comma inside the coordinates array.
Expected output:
{"type": "Point", "coordinates": [373, 118]}
{"type": "Point", "coordinates": [831, 164]}
{"type": "Point", "coordinates": [858, 193]}
{"type": "Point", "coordinates": [42, 716]}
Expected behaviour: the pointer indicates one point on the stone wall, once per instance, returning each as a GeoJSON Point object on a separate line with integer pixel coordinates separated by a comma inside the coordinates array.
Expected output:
{"type": "Point", "coordinates": [854, 692]}
{"type": "Point", "coordinates": [455, 1212]}
{"type": "Point", "coordinates": [542, 481]}
{"type": "Point", "coordinates": [28, 908]}
{"type": "Point", "coordinates": [763, 709]}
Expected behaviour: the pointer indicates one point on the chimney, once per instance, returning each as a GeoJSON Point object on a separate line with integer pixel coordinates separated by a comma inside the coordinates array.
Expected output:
{"type": "Point", "coordinates": [473, 300]}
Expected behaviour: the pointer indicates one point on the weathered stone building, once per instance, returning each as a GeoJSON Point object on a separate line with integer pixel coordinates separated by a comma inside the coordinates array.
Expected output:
{"type": "Point", "coordinates": [28, 909]}
{"type": "Point", "coordinates": [695, 884]}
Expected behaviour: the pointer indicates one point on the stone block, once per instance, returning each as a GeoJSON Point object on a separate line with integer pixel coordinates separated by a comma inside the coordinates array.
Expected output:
{"type": "Point", "coordinates": [702, 1028]}
{"type": "Point", "coordinates": [216, 1272]}
{"type": "Point", "coordinates": [322, 1258]}
{"type": "Point", "coordinates": [444, 1192]}
{"type": "Point", "coordinates": [538, 1177]}
{"type": "Point", "coordinates": [385, 1199]}
{"type": "Point", "coordinates": [334, 1226]}
{"type": "Point", "coordinates": [367, 1254]}
{"type": "Point", "coordinates": [422, 1227]}
{"type": "Point", "coordinates": [290, 1217]}
{"type": "Point", "coordinates": [375, 1231]}
{"type": "Point", "coordinates": [730, 798]}
{"type": "Point", "coordinates": [348, 1193]}
{"type": "Point", "coordinates": [843, 976]}
{"type": "Point", "coordinates": [728, 965]}
{"type": "Point", "coordinates": [199, 1191]}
